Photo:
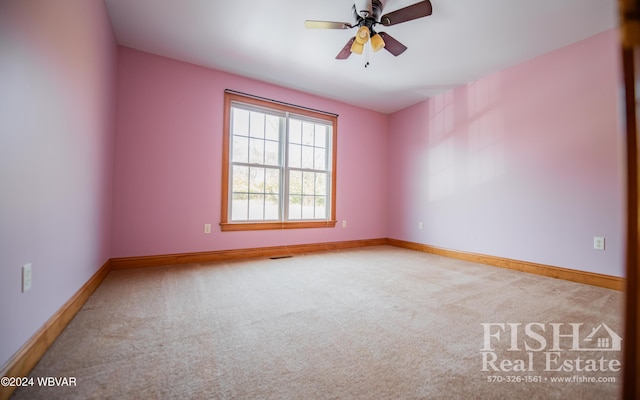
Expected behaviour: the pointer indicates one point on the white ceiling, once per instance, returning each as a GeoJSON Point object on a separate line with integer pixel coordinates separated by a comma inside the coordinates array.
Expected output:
{"type": "Point", "coordinates": [462, 41]}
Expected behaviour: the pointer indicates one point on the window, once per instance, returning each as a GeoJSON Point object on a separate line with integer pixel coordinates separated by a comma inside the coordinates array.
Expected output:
{"type": "Point", "coordinates": [279, 166]}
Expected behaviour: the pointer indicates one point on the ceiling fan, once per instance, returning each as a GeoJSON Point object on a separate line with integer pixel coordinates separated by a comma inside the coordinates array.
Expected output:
{"type": "Point", "coordinates": [367, 16]}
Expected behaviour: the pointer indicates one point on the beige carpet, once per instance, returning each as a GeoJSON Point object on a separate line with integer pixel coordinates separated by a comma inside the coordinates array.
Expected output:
{"type": "Point", "coordinates": [371, 323]}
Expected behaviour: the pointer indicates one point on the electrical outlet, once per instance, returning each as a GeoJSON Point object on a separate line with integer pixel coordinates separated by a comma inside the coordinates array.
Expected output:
{"type": "Point", "coordinates": [26, 277]}
{"type": "Point", "coordinates": [598, 243]}
{"type": "Point", "coordinates": [207, 228]}
{"type": "Point", "coordinates": [420, 225]}
{"type": "Point", "coordinates": [344, 223]}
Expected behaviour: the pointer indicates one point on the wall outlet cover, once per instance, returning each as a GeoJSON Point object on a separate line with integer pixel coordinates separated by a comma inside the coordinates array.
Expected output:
{"type": "Point", "coordinates": [26, 277]}
{"type": "Point", "coordinates": [598, 243]}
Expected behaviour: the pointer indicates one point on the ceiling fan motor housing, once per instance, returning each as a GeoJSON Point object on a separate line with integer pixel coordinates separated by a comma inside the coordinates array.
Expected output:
{"type": "Point", "coordinates": [368, 10]}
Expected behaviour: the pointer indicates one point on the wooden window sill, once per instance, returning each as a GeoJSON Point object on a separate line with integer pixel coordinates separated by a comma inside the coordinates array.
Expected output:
{"type": "Point", "coordinates": [258, 226]}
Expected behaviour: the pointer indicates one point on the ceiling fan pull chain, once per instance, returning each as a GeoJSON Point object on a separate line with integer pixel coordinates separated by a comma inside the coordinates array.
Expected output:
{"type": "Point", "coordinates": [366, 56]}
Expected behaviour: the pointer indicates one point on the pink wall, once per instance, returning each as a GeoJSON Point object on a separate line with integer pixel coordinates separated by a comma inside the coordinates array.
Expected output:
{"type": "Point", "coordinates": [57, 107]}
{"type": "Point", "coordinates": [526, 163]}
{"type": "Point", "coordinates": [168, 161]}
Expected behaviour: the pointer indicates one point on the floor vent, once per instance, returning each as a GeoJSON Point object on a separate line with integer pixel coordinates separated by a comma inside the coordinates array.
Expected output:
{"type": "Point", "coordinates": [279, 257]}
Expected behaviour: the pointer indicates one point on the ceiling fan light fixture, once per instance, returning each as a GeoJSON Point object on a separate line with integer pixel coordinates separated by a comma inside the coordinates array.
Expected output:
{"type": "Point", "coordinates": [377, 43]}
{"type": "Point", "coordinates": [362, 37]}
{"type": "Point", "coordinates": [357, 48]}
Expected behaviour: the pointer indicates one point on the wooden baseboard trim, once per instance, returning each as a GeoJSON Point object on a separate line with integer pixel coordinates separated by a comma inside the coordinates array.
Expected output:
{"type": "Point", "coordinates": [30, 353]}
{"type": "Point", "coordinates": [589, 278]}
{"type": "Point", "coordinates": [221, 255]}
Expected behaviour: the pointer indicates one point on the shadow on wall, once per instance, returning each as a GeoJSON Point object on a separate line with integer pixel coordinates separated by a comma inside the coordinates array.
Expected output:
{"type": "Point", "coordinates": [465, 139]}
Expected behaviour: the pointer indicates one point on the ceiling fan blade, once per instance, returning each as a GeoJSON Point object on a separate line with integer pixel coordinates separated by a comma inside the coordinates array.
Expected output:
{"type": "Point", "coordinates": [408, 13]}
{"type": "Point", "coordinates": [326, 25]}
{"type": "Point", "coordinates": [393, 46]}
{"type": "Point", "coordinates": [346, 50]}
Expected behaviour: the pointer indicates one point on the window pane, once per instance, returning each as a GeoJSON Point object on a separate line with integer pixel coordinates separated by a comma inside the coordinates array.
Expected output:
{"type": "Point", "coordinates": [295, 131]}
{"type": "Point", "coordinates": [321, 207]}
{"type": "Point", "coordinates": [256, 155]}
{"type": "Point", "coordinates": [295, 207]}
{"type": "Point", "coordinates": [295, 155]}
{"type": "Point", "coordinates": [271, 153]}
{"type": "Point", "coordinates": [256, 207]}
{"type": "Point", "coordinates": [320, 159]}
{"type": "Point", "coordinates": [308, 207]}
{"type": "Point", "coordinates": [307, 157]}
{"type": "Point", "coordinates": [272, 207]}
{"type": "Point", "coordinates": [307, 133]}
{"type": "Point", "coordinates": [272, 129]}
{"type": "Point", "coordinates": [240, 149]}
{"type": "Point", "coordinates": [257, 124]}
{"type": "Point", "coordinates": [239, 207]}
{"type": "Point", "coordinates": [321, 136]}
{"type": "Point", "coordinates": [295, 182]}
{"type": "Point", "coordinates": [240, 179]}
{"type": "Point", "coordinates": [272, 181]}
{"type": "Point", "coordinates": [240, 122]}
{"type": "Point", "coordinates": [308, 183]}
{"type": "Point", "coordinates": [321, 184]}
{"type": "Point", "coordinates": [256, 180]}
